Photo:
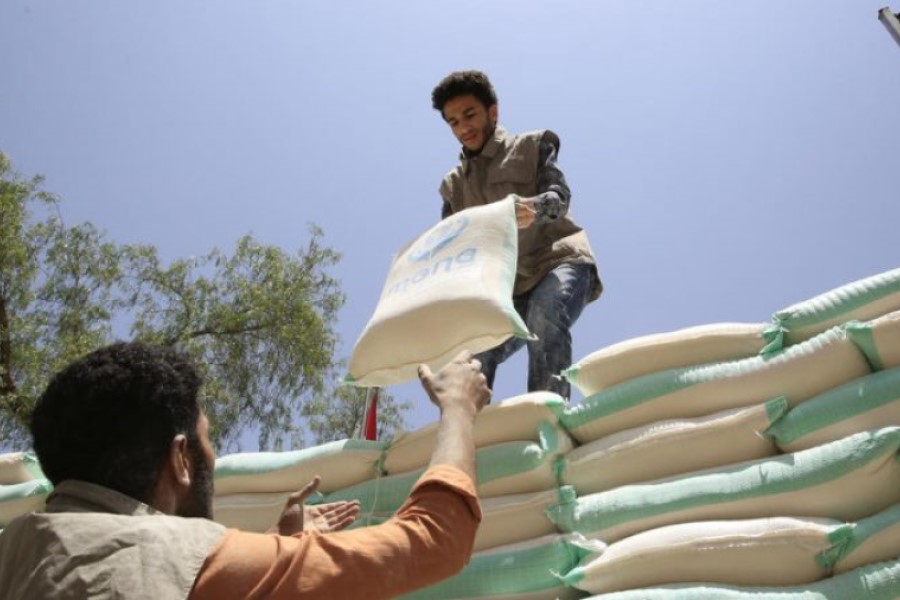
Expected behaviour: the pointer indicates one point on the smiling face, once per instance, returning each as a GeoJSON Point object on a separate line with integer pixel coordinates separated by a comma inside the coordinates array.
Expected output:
{"type": "Point", "coordinates": [470, 121]}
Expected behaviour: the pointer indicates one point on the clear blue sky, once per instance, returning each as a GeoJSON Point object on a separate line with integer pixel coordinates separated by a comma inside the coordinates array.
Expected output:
{"type": "Point", "coordinates": [727, 159]}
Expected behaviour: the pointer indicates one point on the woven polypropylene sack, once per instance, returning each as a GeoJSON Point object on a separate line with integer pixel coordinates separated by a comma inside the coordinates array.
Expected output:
{"type": "Point", "coordinates": [523, 568]}
{"type": "Point", "coordinates": [797, 373]}
{"type": "Point", "coordinates": [869, 402]}
{"type": "Point", "coordinates": [849, 479]}
{"type": "Point", "coordinates": [859, 300]}
{"type": "Point", "coordinates": [718, 342]}
{"type": "Point", "coordinates": [19, 467]}
{"type": "Point", "coordinates": [772, 551]}
{"type": "Point", "coordinates": [874, 539]}
{"type": "Point", "coordinates": [672, 447]}
{"type": "Point", "coordinates": [514, 419]}
{"type": "Point", "coordinates": [879, 340]}
{"type": "Point", "coordinates": [21, 498]}
{"type": "Point", "coordinates": [880, 581]}
{"type": "Point", "coordinates": [449, 290]}
{"type": "Point", "coordinates": [340, 464]}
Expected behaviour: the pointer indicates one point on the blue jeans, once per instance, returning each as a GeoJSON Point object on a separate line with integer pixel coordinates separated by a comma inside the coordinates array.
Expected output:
{"type": "Point", "coordinates": [549, 310]}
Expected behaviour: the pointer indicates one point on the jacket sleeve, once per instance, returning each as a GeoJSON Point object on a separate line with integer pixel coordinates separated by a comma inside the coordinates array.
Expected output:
{"type": "Point", "coordinates": [429, 539]}
{"type": "Point", "coordinates": [553, 194]}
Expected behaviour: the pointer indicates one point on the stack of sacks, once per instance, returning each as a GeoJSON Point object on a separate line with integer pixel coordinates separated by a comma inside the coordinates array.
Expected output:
{"type": "Point", "coordinates": [23, 487]}
{"type": "Point", "coordinates": [519, 449]}
{"type": "Point", "coordinates": [251, 488]}
{"type": "Point", "coordinates": [706, 512]}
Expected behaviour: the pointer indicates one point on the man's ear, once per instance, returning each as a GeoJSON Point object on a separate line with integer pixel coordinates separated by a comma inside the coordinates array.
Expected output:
{"type": "Point", "coordinates": [180, 460]}
{"type": "Point", "coordinates": [493, 113]}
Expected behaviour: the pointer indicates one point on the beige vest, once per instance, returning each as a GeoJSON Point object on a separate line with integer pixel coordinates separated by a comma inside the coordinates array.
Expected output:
{"type": "Point", "coordinates": [95, 543]}
{"type": "Point", "coordinates": [508, 165]}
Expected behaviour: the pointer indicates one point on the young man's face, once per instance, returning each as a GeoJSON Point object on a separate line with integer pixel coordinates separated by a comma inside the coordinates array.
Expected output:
{"type": "Point", "coordinates": [470, 121]}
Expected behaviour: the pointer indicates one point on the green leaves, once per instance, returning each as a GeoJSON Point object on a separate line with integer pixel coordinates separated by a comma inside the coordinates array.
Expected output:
{"type": "Point", "coordinates": [259, 322]}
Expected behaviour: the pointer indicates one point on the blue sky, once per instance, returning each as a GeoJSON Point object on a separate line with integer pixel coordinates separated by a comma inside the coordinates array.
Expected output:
{"type": "Point", "coordinates": [727, 159]}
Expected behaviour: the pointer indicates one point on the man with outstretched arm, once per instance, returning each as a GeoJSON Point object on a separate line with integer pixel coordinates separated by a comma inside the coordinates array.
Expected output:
{"type": "Point", "coordinates": [556, 274]}
{"type": "Point", "coordinates": [121, 435]}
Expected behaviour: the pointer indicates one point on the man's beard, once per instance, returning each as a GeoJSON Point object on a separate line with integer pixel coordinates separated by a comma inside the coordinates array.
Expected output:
{"type": "Point", "coordinates": [200, 494]}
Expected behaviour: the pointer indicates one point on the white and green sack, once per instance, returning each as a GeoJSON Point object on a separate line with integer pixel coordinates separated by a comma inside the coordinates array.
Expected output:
{"type": "Point", "coordinates": [797, 373]}
{"type": "Point", "coordinates": [873, 540]}
{"type": "Point", "coordinates": [672, 447]}
{"type": "Point", "coordinates": [859, 300]}
{"type": "Point", "coordinates": [849, 479]}
{"type": "Point", "coordinates": [19, 467]}
{"type": "Point", "coordinates": [20, 498]}
{"type": "Point", "coordinates": [340, 464]}
{"type": "Point", "coordinates": [869, 402]}
{"type": "Point", "coordinates": [772, 551]}
{"type": "Point", "coordinates": [702, 344]}
{"type": "Point", "coordinates": [515, 570]}
{"type": "Point", "coordinates": [880, 581]}
{"type": "Point", "coordinates": [514, 419]}
{"type": "Point", "coordinates": [879, 340]}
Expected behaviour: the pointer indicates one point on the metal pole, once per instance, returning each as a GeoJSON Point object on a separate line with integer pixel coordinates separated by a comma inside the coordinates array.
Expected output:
{"type": "Point", "coordinates": [891, 22]}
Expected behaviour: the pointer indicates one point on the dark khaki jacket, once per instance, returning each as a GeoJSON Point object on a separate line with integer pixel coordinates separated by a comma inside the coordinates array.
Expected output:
{"type": "Point", "coordinates": [95, 543]}
{"type": "Point", "coordinates": [506, 165]}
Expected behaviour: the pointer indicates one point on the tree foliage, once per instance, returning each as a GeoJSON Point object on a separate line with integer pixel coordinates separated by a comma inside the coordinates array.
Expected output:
{"type": "Point", "coordinates": [259, 322]}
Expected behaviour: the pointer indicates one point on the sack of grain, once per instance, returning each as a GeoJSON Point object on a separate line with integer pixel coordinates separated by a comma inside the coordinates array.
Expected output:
{"type": "Point", "coordinates": [340, 464]}
{"type": "Point", "coordinates": [772, 551]}
{"type": "Point", "coordinates": [514, 419]}
{"type": "Point", "coordinates": [20, 498]}
{"type": "Point", "coordinates": [718, 342]}
{"type": "Point", "coordinates": [859, 300]}
{"type": "Point", "coordinates": [449, 290]}
{"type": "Point", "coordinates": [665, 448]}
{"type": "Point", "coordinates": [518, 569]}
{"type": "Point", "coordinates": [849, 479]}
{"type": "Point", "coordinates": [869, 402]}
{"type": "Point", "coordinates": [797, 373]}
{"type": "Point", "coordinates": [19, 467]}
{"type": "Point", "coordinates": [879, 340]}
{"type": "Point", "coordinates": [873, 540]}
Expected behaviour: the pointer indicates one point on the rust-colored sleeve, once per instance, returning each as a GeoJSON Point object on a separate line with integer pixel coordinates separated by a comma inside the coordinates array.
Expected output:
{"type": "Point", "coordinates": [429, 539]}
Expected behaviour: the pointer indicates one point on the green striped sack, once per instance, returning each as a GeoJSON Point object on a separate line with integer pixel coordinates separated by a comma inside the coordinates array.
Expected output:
{"type": "Point", "coordinates": [770, 551]}
{"type": "Point", "coordinates": [879, 340]}
{"type": "Point", "coordinates": [671, 447]}
{"type": "Point", "coordinates": [859, 300]}
{"type": "Point", "coordinates": [880, 581]}
{"type": "Point", "coordinates": [869, 402]}
{"type": "Point", "coordinates": [874, 539]}
{"type": "Point", "coordinates": [717, 342]}
{"type": "Point", "coordinates": [516, 569]}
{"type": "Point", "coordinates": [20, 498]}
{"type": "Point", "coordinates": [340, 464]}
{"type": "Point", "coordinates": [514, 419]}
{"type": "Point", "coordinates": [797, 373]}
{"type": "Point", "coordinates": [509, 468]}
{"type": "Point", "coordinates": [848, 479]}
{"type": "Point", "coordinates": [19, 467]}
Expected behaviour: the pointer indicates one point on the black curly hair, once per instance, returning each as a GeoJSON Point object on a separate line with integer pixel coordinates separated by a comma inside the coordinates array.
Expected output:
{"type": "Point", "coordinates": [109, 417]}
{"type": "Point", "coordinates": [461, 83]}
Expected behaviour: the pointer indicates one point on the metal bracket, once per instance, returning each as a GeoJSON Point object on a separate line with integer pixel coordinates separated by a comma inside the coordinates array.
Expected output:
{"type": "Point", "coordinates": [891, 23]}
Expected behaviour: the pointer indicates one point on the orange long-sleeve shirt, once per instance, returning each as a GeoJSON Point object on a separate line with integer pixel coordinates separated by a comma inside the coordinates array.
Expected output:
{"type": "Point", "coordinates": [429, 539]}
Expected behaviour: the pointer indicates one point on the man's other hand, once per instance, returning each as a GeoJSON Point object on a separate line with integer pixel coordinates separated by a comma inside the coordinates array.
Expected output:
{"type": "Point", "coordinates": [297, 516]}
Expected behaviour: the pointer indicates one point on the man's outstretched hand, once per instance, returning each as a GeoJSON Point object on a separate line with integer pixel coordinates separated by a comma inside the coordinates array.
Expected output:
{"type": "Point", "coordinates": [297, 516]}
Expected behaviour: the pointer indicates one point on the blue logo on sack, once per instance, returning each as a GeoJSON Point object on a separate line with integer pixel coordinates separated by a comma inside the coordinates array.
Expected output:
{"type": "Point", "coordinates": [438, 239]}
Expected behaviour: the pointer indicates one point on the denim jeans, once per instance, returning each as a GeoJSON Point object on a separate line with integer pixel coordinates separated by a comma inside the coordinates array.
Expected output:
{"type": "Point", "coordinates": [549, 310]}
